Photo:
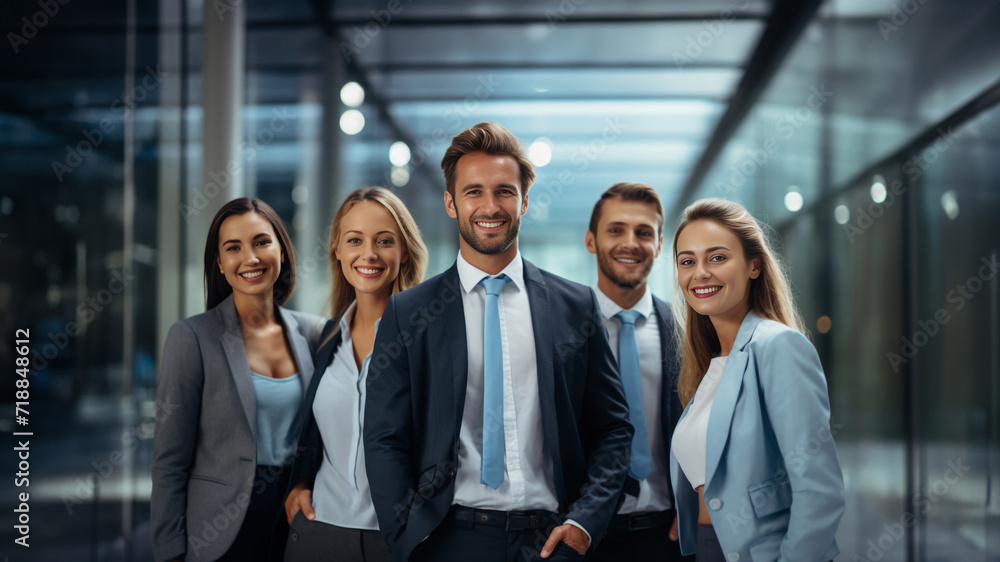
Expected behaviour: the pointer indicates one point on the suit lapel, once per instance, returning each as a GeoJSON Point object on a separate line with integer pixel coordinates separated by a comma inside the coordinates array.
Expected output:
{"type": "Point", "coordinates": [670, 410]}
{"type": "Point", "coordinates": [300, 347]}
{"type": "Point", "coordinates": [324, 357]}
{"type": "Point", "coordinates": [668, 361]}
{"type": "Point", "coordinates": [454, 334]}
{"type": "Point", "coordinates": [724, 404]}
{"type": "Point", "coordinates": [542, 326]}
{"type": "Point", "coordinates": [239, 366]}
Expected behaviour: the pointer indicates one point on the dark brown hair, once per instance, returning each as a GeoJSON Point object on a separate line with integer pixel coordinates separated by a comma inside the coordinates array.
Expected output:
{"type": "Point", "coordinates": [216, 286]}
{"type": "Point", "coordinates": [491, 138]}
{"type": "Point", "coordinates": [628, 191]}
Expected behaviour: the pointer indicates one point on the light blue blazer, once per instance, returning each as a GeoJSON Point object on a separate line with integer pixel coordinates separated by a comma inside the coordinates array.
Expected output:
{"type": "Point", "coordinates": [773, 484]}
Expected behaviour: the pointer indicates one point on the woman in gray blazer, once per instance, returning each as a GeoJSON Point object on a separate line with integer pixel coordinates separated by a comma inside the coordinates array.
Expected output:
{"type": "Point", "coordinates": [375, 251]}
{"type": "Point", "coordinates": [232, 379]}
{"type": "Point", "coordinates": [754, 466]}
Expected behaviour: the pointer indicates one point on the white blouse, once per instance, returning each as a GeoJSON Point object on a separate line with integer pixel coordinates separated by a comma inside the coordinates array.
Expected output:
{"type": "Point", "coordinates": [690, 440]}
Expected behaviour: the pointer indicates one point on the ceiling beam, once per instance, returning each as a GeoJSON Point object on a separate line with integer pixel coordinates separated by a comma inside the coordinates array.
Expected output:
{"type": "Point", "coordinates": [551, 18]}
{"type": "Point", "coordinates": [788, 19]}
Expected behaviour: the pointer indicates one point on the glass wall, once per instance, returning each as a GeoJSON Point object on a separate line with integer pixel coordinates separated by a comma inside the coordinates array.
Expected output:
{"type": "Point", "coordinates": [867, 153]}
{"type": "Point", "coordinates": [871, 153]}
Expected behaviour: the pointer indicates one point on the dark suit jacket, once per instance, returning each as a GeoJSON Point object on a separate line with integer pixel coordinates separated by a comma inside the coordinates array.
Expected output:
{"type": "Point", "coordinates": [309, 451]}
{"type": "Point", "coordinates": [205, 448]}
{"type": "Point", "coordinates": [671, 410]}
{"type": "Point", "coordinates": [416, 395]}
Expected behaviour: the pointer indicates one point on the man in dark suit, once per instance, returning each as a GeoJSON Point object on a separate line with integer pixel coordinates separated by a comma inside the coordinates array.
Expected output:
{"type": "Point", "coordinates": [626, 234]}
{"type": "Point", "coordinates": [496, 424]}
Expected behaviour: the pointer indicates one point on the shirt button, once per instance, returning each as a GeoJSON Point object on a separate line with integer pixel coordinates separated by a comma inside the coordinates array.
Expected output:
{"type": "Point", "coordinates": [733, 556]}
{"type": "Point", "coordinates": [295, 536]}
{"type": "Point", "coordinates": [715, 504]}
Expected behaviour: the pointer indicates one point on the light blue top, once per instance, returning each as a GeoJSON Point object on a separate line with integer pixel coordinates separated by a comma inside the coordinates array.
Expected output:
{"type": "Point", "coordinates": [278, 405]}
{"type": "Point", "coordinates": [341, 494]}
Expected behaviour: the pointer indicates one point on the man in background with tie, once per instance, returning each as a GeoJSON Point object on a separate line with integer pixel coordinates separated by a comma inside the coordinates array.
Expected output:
{"type": "Point", "coordinates": [626, 234]}
{"type": "Point", "coordinates": [496, 425]}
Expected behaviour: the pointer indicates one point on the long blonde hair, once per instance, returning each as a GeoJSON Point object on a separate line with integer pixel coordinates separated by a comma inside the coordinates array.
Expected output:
{"type": "Point", "coordinates": [410, 273]}
{"type": "Point", "coordinates": [770, 294]}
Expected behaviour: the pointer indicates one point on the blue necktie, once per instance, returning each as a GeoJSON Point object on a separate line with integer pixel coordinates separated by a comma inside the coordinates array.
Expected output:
{"type": "Point", "coordinates": [628, 364]}
{"type": "Point", "coordinates": [492, 467]}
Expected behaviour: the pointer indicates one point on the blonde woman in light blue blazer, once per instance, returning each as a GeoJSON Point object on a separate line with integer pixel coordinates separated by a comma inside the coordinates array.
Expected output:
{"type": "Point", "coordinates": [753, 460]}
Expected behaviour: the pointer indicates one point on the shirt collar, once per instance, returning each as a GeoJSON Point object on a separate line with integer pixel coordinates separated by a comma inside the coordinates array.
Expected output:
{"type": "Point", "coordinates": [470, 275]}
{"type": "Point", "coordinates": [610, 308]}
{"type": "Point", "coordinates": [345, 323]}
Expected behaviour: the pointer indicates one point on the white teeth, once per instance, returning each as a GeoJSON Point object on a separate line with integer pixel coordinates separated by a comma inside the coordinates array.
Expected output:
{"type": "Point", "coordinates": [252, 274]}
{"type": "Point", "coordinates": [368, 271]}
{"type": "Point", "coordinates": [489, 224]}
{"type": "Point", "coordinates": [626, 260]}
{"type": "Point", "coordinates": [706, 291]}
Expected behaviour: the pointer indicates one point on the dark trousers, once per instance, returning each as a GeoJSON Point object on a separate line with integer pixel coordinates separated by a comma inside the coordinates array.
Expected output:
{"type": "Point", "coordinates": [262, 534]}
{"type": "Point", "coordinates": [708, 549]}
{"type": "Point", "coordinates": [646, 545]}
{"type": "Point", "coordinates": [315, 540]}
{"type": "Point", "coordinates": [457, 541]}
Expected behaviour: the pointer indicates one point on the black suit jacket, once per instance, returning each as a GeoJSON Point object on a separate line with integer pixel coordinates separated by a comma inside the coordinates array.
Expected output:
{"type": "Point", "coordinates": [416, 396]}
{"type": "Point", "coordinates": [671, 409]}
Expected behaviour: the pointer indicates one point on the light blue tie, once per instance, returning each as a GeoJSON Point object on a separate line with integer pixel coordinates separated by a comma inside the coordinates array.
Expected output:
{"type": "Point", "coordinates": [628, 364]}
{"type": "Point", "coordinates": [492, 468]}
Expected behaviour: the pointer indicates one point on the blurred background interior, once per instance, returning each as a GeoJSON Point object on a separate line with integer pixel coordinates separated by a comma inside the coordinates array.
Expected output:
{"type": "Point", "coordinates": [864, 132]}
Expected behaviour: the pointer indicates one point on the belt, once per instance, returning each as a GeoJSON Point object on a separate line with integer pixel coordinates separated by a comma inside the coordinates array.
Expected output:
{"type": "Point", "coordinates": [508, 520]}
{"type": "Point", "coordinates": [642, 521]}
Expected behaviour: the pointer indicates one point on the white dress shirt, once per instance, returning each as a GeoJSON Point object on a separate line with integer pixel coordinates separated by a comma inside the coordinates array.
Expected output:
{"type": "Point", "coordinates": [341, 494]}
{"type": "Point", "coordinates": [654, 491]}
{"type": "Point", "coordinates": [528, 482]}
{"type": "Point", "coordinates": [690, 441]}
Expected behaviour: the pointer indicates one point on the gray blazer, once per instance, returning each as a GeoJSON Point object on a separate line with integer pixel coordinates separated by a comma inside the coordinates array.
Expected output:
{"type": "Point", "coordinates": [205, 450]}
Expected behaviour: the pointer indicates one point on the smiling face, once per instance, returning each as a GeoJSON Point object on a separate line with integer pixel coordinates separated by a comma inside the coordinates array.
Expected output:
{"type": "Point", "coordinates": [250, 255]}
{"type": "Point", "coordinates": [370, 248]}
{"type": "Point", "coordinates": [626, 243]}
{"type": "Point", "coordinates": [488, 204]}
{"type": "Point", "coordinates": [713, 272]}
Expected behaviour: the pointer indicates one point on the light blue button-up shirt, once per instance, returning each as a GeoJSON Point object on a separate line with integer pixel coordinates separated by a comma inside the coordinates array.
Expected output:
{"type": "Point", "coordinates": [341, 494]}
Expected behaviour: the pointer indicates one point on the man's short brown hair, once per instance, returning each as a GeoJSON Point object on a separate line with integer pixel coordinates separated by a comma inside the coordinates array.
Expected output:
{"type": "Point", "coordinates": [629, 191]}
{"type": "Point", "coordinates": [491, 138]}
